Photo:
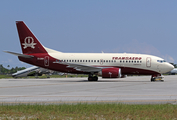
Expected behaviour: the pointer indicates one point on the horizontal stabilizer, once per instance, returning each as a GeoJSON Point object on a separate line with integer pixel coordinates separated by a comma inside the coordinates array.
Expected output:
{"type": "Point", "coordinates": [21, 55]}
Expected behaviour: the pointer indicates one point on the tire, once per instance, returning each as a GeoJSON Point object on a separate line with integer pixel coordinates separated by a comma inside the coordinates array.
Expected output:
{"type": "Point", "coordinates": [152, 79]}
{"type": "Point", "coordinates": [95, 78]}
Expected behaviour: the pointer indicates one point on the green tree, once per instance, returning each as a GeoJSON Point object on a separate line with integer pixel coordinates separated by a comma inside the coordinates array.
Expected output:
{"type": "Point", "coordinates": [12, 70]}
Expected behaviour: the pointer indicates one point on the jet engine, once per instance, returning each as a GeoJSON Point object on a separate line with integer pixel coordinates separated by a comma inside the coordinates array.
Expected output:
{"type": "Point", "coordinates": [111, 73]}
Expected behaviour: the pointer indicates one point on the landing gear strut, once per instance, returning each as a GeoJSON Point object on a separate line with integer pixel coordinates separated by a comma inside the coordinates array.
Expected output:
{"type": "Point", "coordinates": [92, 78]}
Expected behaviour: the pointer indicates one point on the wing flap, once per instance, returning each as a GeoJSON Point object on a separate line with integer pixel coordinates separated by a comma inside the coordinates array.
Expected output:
{"type": "Point", "coordinates": [80, 67]}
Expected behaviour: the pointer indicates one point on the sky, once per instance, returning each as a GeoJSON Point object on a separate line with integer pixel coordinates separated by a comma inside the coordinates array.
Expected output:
{"type": "Point", "coordinates": [91, 26]}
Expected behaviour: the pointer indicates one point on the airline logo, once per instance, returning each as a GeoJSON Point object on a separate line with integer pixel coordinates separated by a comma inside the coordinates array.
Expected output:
{"type": "Point", "coordinates": [29, 42]}
{"type": "Point", "coordinates": [110, 74]}
{"type": "Point", "coordinates": [126, 58]}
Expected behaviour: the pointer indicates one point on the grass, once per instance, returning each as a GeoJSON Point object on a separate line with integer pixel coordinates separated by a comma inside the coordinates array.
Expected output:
{"type": "Point", "coordinates": [5, 76]}
{"type": "Point", "coordinates": [89, 111]}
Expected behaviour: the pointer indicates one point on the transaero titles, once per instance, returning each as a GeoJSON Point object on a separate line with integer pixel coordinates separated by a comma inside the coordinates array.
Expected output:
{"type": "Point", "coordinates": [126, 58]}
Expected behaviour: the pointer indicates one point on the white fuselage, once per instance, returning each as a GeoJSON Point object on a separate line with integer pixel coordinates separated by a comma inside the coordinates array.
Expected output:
{"type": "Point", "coordinates": [125, 60]}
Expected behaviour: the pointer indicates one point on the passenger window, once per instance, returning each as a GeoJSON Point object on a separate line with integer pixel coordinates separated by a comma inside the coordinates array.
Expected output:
{"type": "Point", "coordinates": [88, 60]}
{"type": "Point", "coordinates": [85, 60]}
{"type": "Point", "coordinates": [106, 60]}
{"type": "Point", "coordinates": [77, 60]}
{"type": "Point", "coordinates": [72, 60]}
{"type": "Point", "coordinates": [91, 60]}
{"type": "Point", "coordinates": [137, 61]}
{"type": "Point", "coordinates": [69, 60]}
{"type": "Point", "coordinates": [94, 60]}
{"type": "Point", "coordinates": [114, 60]}
{"type": "Point", "coordinates": [134, 61]}
{"type": "Point", "coordinates": [120, 61]}
{"type": "Point", "coordinates": [80, 60]}
{"type": "Point", "coordinates": [97, 60]}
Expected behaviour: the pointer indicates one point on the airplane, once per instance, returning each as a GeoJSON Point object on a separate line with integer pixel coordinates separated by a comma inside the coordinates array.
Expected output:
{"type": "Point", "coordinates": [31, 71]}
{"type": "Point", "coordinates": [107, 65]}
{"type": "Point", "coordinates": [173, 72]}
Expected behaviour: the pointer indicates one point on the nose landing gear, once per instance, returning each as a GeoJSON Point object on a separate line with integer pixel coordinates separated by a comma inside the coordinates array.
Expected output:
{"type": "Point", "coordinates": [158, 77]}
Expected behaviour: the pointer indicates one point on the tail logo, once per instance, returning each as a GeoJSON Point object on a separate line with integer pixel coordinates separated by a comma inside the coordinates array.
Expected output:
{"type": "Point", "coordinates": [29, 42]}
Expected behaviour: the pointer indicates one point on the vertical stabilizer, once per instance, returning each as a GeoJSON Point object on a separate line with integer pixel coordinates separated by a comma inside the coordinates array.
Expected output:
{"type": "Point", "coordinates": [28, 41]}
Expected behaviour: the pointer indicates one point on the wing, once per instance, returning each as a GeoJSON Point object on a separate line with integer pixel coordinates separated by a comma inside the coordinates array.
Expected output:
{"type": "Point", "coordinates": [80, 67]}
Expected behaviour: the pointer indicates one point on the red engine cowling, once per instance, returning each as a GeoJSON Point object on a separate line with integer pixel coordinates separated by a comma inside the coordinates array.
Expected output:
{"type": "Point", "coordinates": [111, 73]}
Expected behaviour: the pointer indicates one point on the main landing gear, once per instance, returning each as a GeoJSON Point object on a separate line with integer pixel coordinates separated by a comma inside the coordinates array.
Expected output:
{"type": "Point", "coordinates": [155, 78]}
{"type": "Point", "coordinates": [92, 78]}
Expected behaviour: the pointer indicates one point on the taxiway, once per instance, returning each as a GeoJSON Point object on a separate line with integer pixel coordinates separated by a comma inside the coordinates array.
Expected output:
{"type": "Point", "coordinates": [130, 90]}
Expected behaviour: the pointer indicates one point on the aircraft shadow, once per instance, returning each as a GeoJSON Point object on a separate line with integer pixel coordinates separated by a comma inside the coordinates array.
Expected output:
{"type": "Point", "coordinates": [98, 81]}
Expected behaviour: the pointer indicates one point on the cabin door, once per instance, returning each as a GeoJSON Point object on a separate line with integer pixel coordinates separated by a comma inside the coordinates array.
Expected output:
{"type": "Point", "coordinates": [148, 62]}
{"type": "Point", "coordinates": [46, 61]}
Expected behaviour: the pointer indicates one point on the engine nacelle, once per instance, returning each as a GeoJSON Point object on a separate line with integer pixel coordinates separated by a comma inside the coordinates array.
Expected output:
{"type": "Point", "coordinates": [111, 73]}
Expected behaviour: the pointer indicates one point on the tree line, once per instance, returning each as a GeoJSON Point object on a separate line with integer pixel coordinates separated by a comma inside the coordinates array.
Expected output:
{"type": "Point", "coordinates": [4, 70]}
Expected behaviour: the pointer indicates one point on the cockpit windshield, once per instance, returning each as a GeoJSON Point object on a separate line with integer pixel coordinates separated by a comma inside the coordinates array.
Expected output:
{"type": "Point", "coordinates": [161, 61]}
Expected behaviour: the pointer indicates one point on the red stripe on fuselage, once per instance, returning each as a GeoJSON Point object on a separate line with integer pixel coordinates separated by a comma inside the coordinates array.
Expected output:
{"type": "Point", "coordinates": [39, 60]}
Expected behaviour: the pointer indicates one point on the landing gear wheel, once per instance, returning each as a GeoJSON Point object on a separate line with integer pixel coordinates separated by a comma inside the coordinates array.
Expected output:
{"type": "Point", "coordinates": [152, 79]}
{"type": "Point", "coordinates": [92, 78]}
{"type": "Point", "coordinates": [95, 78]}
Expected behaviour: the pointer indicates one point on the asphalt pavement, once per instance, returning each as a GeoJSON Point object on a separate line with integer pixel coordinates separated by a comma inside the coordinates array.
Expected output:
{"type": "Point", "coordinates": [130, 90]}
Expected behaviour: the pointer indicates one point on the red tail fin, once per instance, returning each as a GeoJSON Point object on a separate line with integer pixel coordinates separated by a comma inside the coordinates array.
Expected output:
{"type": "Point", "coordinates": [28, 41]}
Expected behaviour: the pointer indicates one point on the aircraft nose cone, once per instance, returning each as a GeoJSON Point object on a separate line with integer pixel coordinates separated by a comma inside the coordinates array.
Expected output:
{"type": "Point", "coordinates": [170, 67]}
{"type": "Point", "coordinates": [166, 67]}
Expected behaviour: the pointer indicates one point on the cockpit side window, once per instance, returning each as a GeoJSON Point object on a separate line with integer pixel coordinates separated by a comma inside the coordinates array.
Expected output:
{"type": "Point", "coordinates": [161, 61]}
